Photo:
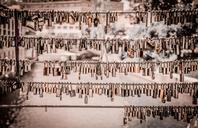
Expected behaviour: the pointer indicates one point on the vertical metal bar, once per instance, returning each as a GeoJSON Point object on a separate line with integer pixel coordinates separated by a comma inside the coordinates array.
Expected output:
{"type": "Point", "coordinates": [107, 22]}
{"type": "Point", "coordinates": [16, 43]}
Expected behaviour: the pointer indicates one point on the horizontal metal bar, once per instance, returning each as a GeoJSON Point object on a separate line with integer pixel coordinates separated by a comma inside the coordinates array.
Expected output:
{"type": "Point", "coordinates": [98, 62]}
{"type": "Point", "coordinates": [91, 83]}
{"type": "Point", "coordinates": [104, 12]}
{"type": "Point", "coordinates": [89, 39]}
{"type": "Point", "coordinates": [59, 106]}
{"type": "Point", "coordinates": [80, 106]}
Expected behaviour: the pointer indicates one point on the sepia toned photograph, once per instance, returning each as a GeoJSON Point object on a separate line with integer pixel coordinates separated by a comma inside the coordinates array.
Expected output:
{"type": "Point", "coordinates": [98, 63]}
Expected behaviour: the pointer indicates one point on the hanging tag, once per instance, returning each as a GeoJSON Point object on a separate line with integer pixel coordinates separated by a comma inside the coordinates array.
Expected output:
{"type": "Point", "coordinates": [96, 21]}
{"type": "Point", "coordinates": [124, 121]}
{"type": "Point", "coordinates": [27, 97]}
{"type": "Point", "coordinates": [195, 124]}
{"type": "Point", "coordinates": [41, 92]}
{"type": "Point", "coordinates": [34, 90]}
{"type": "Point", "coordinates": [194, 99]}
{"type": "Point", "coordinates": [188, 126]}
{"type": "Point", "coordinates": [45, 109]}
{"type": "Point", "coordinates": [86, 99]}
